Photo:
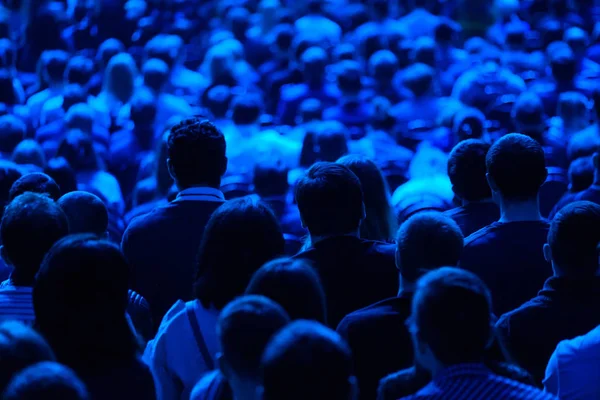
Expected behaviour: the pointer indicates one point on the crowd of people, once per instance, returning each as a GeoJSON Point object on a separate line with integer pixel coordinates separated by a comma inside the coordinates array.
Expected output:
{"type": "Point", "coordinates": [281, 200]}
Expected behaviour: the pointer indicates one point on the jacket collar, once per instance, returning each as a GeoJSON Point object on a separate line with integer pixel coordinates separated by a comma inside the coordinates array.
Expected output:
{"type": "Point", "coordinates": [200, 194]}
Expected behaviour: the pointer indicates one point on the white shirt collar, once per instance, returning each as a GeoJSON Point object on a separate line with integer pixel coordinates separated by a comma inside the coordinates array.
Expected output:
{"type": "Point", "coordinates": [200, 194]}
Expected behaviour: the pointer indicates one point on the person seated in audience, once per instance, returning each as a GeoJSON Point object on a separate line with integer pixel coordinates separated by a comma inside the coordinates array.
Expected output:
{"type": "Point", "coordinates": [287, 372]}
{"type": "Point", "coordinates": [244, 329]}
{"type": "Point", "coordinates": [29, 156]}
{"type": "Point", "coordinates": [241, 236]}
{"type": "Point", "coordinates": [581, 177]}
{"type": "Point", "coordinates": [508, 255]}
{"type": "Point", "coordinates": [31, 224]}
{"type": "Point", "coordinates": [467, 172]}
{"type": "Point", "coordinates": [377, 334]}
{"type": "Point", "coordinates": [355, 272]}
{"type": "Point", "coordinates": [86, 324]}
{"type": "Point", "coordinates": [451, 325]}
{"type": "Point", "coordinates": [46, 381]}
{"type": "Point", "coordinates": [61, 172]}
{"type": "Point", "coordinates": [35, 182]}
{"type": "Point", "coordinates": [54, 65]}
{"type": "Point", "coordinates": [161, 246]}
{"type": "Point", "coordinates": [294, 285]}
{"type": "Point", "coordinates": [568, 304]}
{"type": "Point", "coordinates": [12, 132]}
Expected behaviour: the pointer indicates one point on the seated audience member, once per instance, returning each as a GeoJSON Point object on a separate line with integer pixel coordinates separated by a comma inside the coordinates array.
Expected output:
{"type": "Point", "coordinates": [355, 272]}
{"type": "Point", "coordinates": [54, 65]}
{"type": "Point", "coordinates": [581, 177]}
{"type": "Point", "coordinates": [294, 285]}
{"type": "Point", "coordinates": [240, 237]}
{"type": "Point", "coordinates": [451, 326]}
{"type": "Point", "coordinates": [12, 132]}
{"type": "Point", "coordinates": [377, 334]}
{"type": "Point", "coordinates": [244, 329]}
{"type": "Point", "coordinates": [46, 381]}
{"type": "Point", "coordinates": [287, 372]}
{"type": "Point", "coordinates": [31, 224]}
{"type": "Point", "coordinates": [35, 182]}
{"type": "Point", "coordinates": [61, 172]}
{"type": "Point", "coordinates": [161, 246]}
{"type": "Point", "coordinates": [380, 222]}
{"type": "Point", "coordinates": [568, 305]}
{"type": "Point", "coordinates": [467, 172]}
{"type": "Point", "coordinates": [508, 255]}
{"type": "Point", "coordinates": [29, 156]}
{"type": "Point", "coordinates": [86, 324]}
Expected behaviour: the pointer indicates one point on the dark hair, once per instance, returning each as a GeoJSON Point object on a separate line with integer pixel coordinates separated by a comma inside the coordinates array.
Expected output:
{"type": "Point", "coordinates": [218, 100]}
{"type": "Point", "coordinates": [573, 236]}
{"type": "Point", "coordinates": [85, 212]}
{"type": "Point", "coordinates": [284, 36]}
{"type": "Point", "coordinates": [108, 49]}
{"type": "Point", "coordinates": [12, 132]}
{"type": "Point", "coordinates": [331, 142]}
{"type": "Point", "coordinates": [426, 241]}
{"type": "Point", "coordinates": [581, 174]}
{"type": "Point", "coordinates": [244, 329]}
{"type": "Point", "coordinates": [418, 78]}
{"type": "Point", "coordinates": [20, 347]}
{"type": "Point", "coordinates": [563, 64]}
{"type": "Point", "coordinates": [29, 152]}
{"type": "Point", "coordinates": [306, 360]}
{"type": "Point", "coordinates": [80, 298]}
{"type": "Point", "coordinates": [162, 47]}
{"type": "Point", "coordinates": [240, 236]}
{"type": "Point", "coordinates": [9, 174]}
{"type": "Point", "coordinates": [246, 109]}
{"type": "Point", "coordinates": [314, 62]}
{"type": "Point", "coordinates": [55, 65]}
{"type": "Point", "coordinates": [46, 381]}
{"type": "Point", "coordinates": [528, 115]}
{"type": "Point", "coordinates": [270, 178]}
{"type": "Point", "coordinates": [349, 77]}
{"type": "Point", "coordinates": [156, 74]}
{"type": "Point", "coordinates": [517, 165]}
{"type": "Point", "coordinates": [293, 284]}
{"type": "Point", "coordinates": [79, 70]}
{"type": "Point", "coordinates": [451, 313]}
{"type": "Point", "coordinates": [61, 172]}
{"type": "Point", "coordinates": [143, 108]}
{"type": "Point", "coordinates": [466, 170]}
{"type": "Point", "coordinates": [35, 182]}
{"type": "Point", "coordinates": [31, 224]}
{"type": "Point", "coordinates": [383, 65]}
{"type": "Point", "coordinates": [380, 223]}
{"type": "Point", "coordinates": [330, 199]}
{"type": "Point", "coordinates": [73, 94]}
{"type": "Point", "coordinates": [78, 149]}
{"type": "Point", "coordinates": [196, 150]}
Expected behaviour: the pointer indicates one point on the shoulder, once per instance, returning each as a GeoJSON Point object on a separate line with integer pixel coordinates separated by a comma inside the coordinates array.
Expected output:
{"type": "Point", "coordinates": [480, 237]}
{"type": "Point", "coordinates": [367, 314]}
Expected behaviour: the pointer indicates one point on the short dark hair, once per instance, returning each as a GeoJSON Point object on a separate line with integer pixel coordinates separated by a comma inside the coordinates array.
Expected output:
{"type": "Point", "coordinates": [46, 381]}
{"type": "Point", "coordinates": [244, 329]}
{"type": "Point", "coordinates": [218, 100]}
{"type": "Point", "coordinates": [73, 94]}
{"type": "Point", "coordinates": [306, 360]}
{"type": "Point", "coordinates": [563, 64]}
{"type": "Point", "coordinates": [163, 47]}
{"type": "Point", "coordinates": [29, 152]}
{"type": "Point", "coordinates": [246, 109]}
{"type": "Point", "coordinates": [331, 141]}
{"type": "Point", "coordinates": [156, 73]}
{"type": "Point", "coordinates": [581, 174]}
{"type": "Point", "coordinates": [12, 132]}
{"type": "Point", "coordinates": [451, 313]}
{"type": "Point", "coordinates": [330, 199]}
{"type": "Point", "coordinates": [108, 49]}
{"type": "Point", "coordinates": [383, 64]}
{"type": "Point", "coordinates": [61, 172]}
{"type": "Point", "coordinates": [143, 108]}
{"type": "Point", "coordinates": [31, 224]}
{"type": "Point", "coordinates": [426, 241]}
{"type": "Point", "coordinates": [240, 237]}
{"type": "Point", "coordinates": [270, 178]}
{"type": "Point", "coordinates": [293, 284]}
{"type": "Point", "coordinates": [349, 76]}
{"type": "Point", "coordinates": [85, 212]}
{"type": "Point", "coordinates": [20, 347]}
{"type": "Point", "coordinates": [418, 78]}
{"type": "Point", "coordinates": [35, 182]}
{"type": "Point", "coordinates": [77, 148]}
{"type": "Point", "coordinates": [528, 115]}
{"type": "Point", "coordinates": [55, 64]}
{"type": "Point", "coordinates": [196, 150]}
{"type": "Point", "coordinates": [573, 236]}
{"type": "Point", "coordinates": [79, 70]}
{"type": "Point", "coordinates": [517, 165]}
{"type": "Point", "coordinates": [466, 170]}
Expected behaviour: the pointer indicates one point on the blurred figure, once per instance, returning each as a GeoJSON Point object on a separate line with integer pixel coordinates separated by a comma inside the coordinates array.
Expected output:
{"type": "Point", "coordinates": [30, 156]}
{"type": "Point", "coordinates": [46, 381]}
{"type": "Point", "coordinates": [12, 132]}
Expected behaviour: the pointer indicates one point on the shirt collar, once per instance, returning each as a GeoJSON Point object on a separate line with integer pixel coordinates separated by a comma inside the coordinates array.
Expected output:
{"type": "Point", "coordinates": [461, 370]}
{"type": "Point", "coordinates": [203, 193]}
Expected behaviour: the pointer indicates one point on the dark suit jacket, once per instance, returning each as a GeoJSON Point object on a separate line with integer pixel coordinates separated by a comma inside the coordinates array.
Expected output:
{"type": "Point", "coordinates": [474, 216]}
{"type": "Point", "coordinates": [161, 248]}
{"type": "Point", "coordinates": [563, 309]}
{"type": "Point", "coordinates": [355, 273]}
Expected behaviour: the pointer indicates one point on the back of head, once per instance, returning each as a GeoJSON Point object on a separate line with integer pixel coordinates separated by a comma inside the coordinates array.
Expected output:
{"type": "Point", "coordinates": [330, 199]}
{"type": "Point", "coordinates": [196, 150]}
{"type": "Point", "coordinates": [244, 328]}
{"type": "Point", "coordinates": [219, 98]}
{"type": "Point", "coordinates": [78, 149]}
{"type": "Point", "coordinates": [468, 123]}
{"type": "Point", "coordinates": [162, 47]}
{"type": "Point", "coordinates": [563, 64]}
{"type": "Point", "coordinates": [246, 109]}
{"type": "Point", "coordinates": [108, 49]}
{"type": "Point", "coordinates": [240, 237]}
{"type": "Point", "coordinates": [451, 315]}
{"type": "Point", "coordinates": [20, 347]}
{"type": "Point", "coordinates": [528, 115]}
{"type": "Point", "coordinates": [9, 174]}
{"type": "Point", "coordinates": [29, 152]}
{"type": "Point", "coordinates": [35, 182]}
{"type": "Point", "coordinates": [577, 39]}
{"type": "Point", "coordinates": [293, 284]}
{"type": "Point", "coordinates": [31, 224]}
{"type": "Point", "coordinates": [573, 109]}
{"type": "Point", "coordinates": [331, 141]}
{"type": "Point", "coordinates": [73, 94]}
{"type": "Point", "coordinates": [61, 172]}
{"type": "Point", "coordinates": [349, 77]}
{"type": "Point", "coordinates": [466, 170]}
{"type": "Point", "coordinates": [517, 166]}
{"type": "Point", "coordinates": [46, 381]}
{"type": "Point", "coordinates": [573, 237]}
{"type": "Point", "coordinates": [143, 108]}
{"type": "Point", "coordinates": [80, 116]}
{"type": "Point", "coordinates": [427, 241]}
{"type": "Point", "coordinates": [55, 65]}
{"type": "Point", "coordinates": [418, 78]}
{"type": "Point", "coordinates": [424, 51]}
{"type": "Point", "coordinates": [314, 61]}
{"type": "Point", "coordinates": [581, 174]}
{"type": "Point", "coordinates": [271, 178]}
{"type": "Point", "coordinates": [310, 110]}
{"type": "Point", "coordinates": [306, 360]}
{"type": "Point", "coordinates": [79, 70]}
{"type": "Point", "coordinates": [12, 132]}
{"type": "Point", "coordinates": [383, 65]}
{"type": "Point", "coordinates": [120, 75]}
{"type": "Point", "coordinates": [85, 212]}
{"type": "Point", "coordinates": [156, 74]}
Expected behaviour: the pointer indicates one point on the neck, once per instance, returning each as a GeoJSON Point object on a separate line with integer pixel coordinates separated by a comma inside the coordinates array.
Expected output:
{"type": "Point", "coordinates": [199, 185]}
{"type": "Point", "coordinates": [314, 239]}
{"type": "Point", "coordinates": [406, 286]}
{"type": "Point", "coordinates": [467, 202]}
{"type": "Point", "coordinates": [515, 211]}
